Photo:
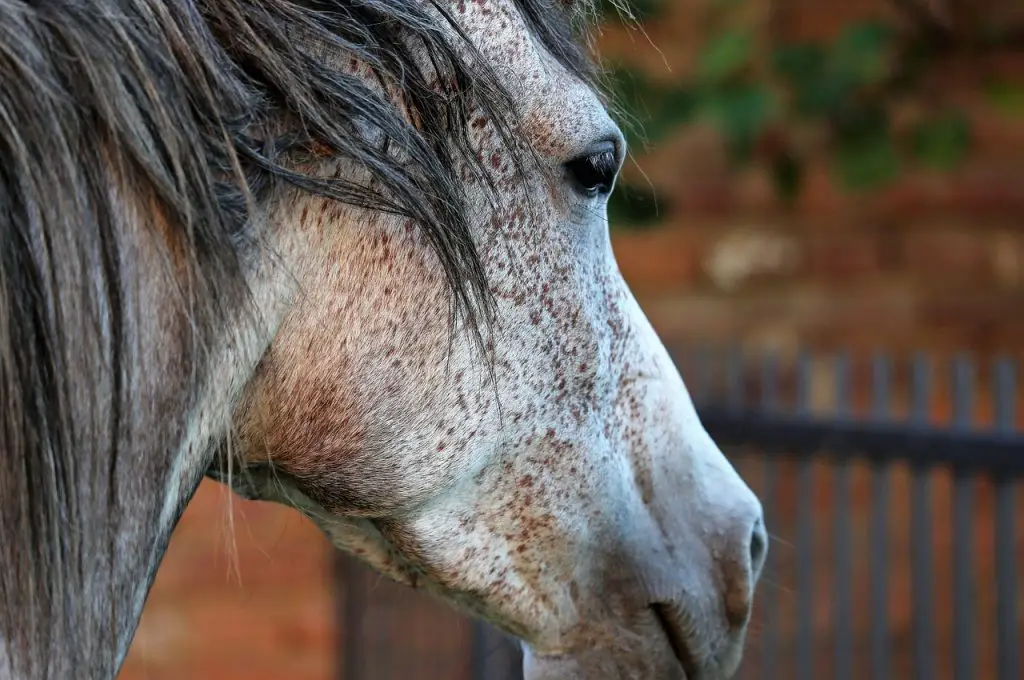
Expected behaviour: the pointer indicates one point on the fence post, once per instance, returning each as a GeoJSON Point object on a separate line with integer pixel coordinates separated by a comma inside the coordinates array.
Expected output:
{"type": "Point", "coordinates": [922, 590]}
{"type": "Point", "coordinates": [351, 606]}
{"type": "Point", "coordinates": [963, 535]}
{"type": "Point", "coordinates": [770, 595]}
{"type": "Point", "coordinates": [882, 403]}
{"type": "Point", "coordinates": [843, 584]}
{"type": "Point", "coordinates": [1007, 635]}
{"type": "Point", "coordinates": [494, 656]}
{"type": "Point", "coordinates": [805, 536]}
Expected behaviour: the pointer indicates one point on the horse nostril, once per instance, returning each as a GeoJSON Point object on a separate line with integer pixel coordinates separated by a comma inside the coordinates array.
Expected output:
{"type": "Point", "coordinates": [593, 174]}
{"type": "Point", "coordinates": [758, 547]}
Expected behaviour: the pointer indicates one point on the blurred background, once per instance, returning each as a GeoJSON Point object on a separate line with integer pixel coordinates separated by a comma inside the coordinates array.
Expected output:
{"type": "Point", "coordinates": [824, 214]}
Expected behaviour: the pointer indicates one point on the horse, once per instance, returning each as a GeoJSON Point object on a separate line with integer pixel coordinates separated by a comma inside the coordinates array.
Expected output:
{"type": "Point", "coordinates": [351, 256]}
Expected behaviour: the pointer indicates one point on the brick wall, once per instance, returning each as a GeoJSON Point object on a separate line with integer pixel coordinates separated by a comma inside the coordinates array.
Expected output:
{"type": "Point", "coordinates": [935, 262]}
{"type": "Point", "coordinates": [254, 600]}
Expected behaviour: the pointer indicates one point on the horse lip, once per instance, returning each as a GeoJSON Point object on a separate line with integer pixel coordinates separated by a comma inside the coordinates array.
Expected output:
{"type": "Point", "coordinates": [676, 640]}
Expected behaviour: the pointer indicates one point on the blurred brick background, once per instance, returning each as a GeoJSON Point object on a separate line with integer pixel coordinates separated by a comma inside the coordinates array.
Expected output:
{"type": "Point", "coordinates": [936, 262]}
{"type": "Point", "coordinates": [253, 600]}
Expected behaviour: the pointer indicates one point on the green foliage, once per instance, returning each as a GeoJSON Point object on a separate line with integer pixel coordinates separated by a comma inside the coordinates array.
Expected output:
{"type": "Point", "coordinates": [822, 80]}
{"type": "Point", "coordinates": [763, 100]}
{"type": "Point", "coordinates": [862, 55]}
{"type": "Point", "coordinates": [724, 56]}
{"type": "Point", "coordinates": [741, 112]}
{"type": "Point", "coordinates": [865, 155]}
{"type": "Point", "coordinates": [651, 112]}
{"type": "Point", "coordinates": [1006, 97]}
{"type": "Point", "coordinates": [942, 142]}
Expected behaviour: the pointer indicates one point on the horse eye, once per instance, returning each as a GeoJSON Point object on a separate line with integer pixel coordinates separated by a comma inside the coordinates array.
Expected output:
{"type": "Point", "coordinates": [593, 174]}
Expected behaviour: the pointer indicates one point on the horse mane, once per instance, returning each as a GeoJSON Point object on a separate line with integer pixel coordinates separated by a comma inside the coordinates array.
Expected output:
{"type": "Point", "coordinates": [134, 158]}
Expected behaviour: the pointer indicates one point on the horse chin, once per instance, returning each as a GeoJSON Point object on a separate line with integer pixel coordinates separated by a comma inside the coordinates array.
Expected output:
{"type": "Point", "coordinates": [661, 645]}
{"type": "Point", "coordinates": [651, 658]}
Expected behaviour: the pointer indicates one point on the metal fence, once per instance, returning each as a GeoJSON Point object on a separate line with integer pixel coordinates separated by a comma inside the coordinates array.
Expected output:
{"type": "Point", "coordinates": [889, 488]}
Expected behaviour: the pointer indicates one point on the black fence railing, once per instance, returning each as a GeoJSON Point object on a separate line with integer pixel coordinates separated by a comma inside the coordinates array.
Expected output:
{"type": "Point", "coordinates": [890, 490]}
{"type": "Point", "coordinates": [919, 581]}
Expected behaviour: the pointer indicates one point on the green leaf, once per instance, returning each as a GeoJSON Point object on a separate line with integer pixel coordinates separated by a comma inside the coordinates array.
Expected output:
{"type": "Point", "coordinates": [675, 107]}
{"type": "Point", "coordinates": [867, 36]}
{"type": "Point", "coordinates": [741, 113]}
{"type": "Point", "coordinates": [724, 56]}
{"type": "Point", "coordinates": [629, 87]}
{"type": "Point", "coordinates": [866, 161]}
{"type": "Point", "coordinates": [799, 63]}
{"type": "Point", "coordinates": [816, 89]}
{"type": "Point", "coordinates": [787, 176]}
{"type": "Point", "coordinates": [1006, 97]}
{"type": "Point", "coordinates": [863, 52]}
{"type": "Point", "coordinates": [942, 142]}
{"type": "Point", "coordinates": [824, 96]}
{"type": "Point", "coordinates": [866, 155]}
{"type": "Point", "coordinates": [861, 120]}
{"type": "Point", "coordinates": [631, 206]}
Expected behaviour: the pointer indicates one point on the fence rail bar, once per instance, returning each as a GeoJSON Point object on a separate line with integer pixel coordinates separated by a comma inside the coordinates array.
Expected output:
{"type": "Point", "coordinates": [993, 452]}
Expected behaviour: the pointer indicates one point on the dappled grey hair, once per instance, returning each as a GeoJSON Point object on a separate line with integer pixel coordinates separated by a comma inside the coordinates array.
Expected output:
{"type": "Point", "coordinates": [141, 131]}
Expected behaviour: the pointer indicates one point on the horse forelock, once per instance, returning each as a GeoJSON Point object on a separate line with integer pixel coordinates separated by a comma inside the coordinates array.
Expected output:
{"type": "Point", "coordinates": [135, 153]}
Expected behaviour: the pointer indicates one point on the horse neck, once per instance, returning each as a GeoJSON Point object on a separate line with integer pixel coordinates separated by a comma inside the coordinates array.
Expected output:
{"type": "Point", "coordinates": [86, 530]}
{"type": "Point", "coordinates": [78, 562]}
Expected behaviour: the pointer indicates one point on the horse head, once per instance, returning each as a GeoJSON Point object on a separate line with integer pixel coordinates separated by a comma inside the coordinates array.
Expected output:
{"type": "Point", "coordinates": [353, 257]}
{"type": "Point", "coordinates": [550, 474]}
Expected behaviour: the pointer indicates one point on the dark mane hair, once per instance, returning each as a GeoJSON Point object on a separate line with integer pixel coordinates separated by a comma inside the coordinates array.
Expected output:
{"type": "Point", "coordinates": [135, 148]}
